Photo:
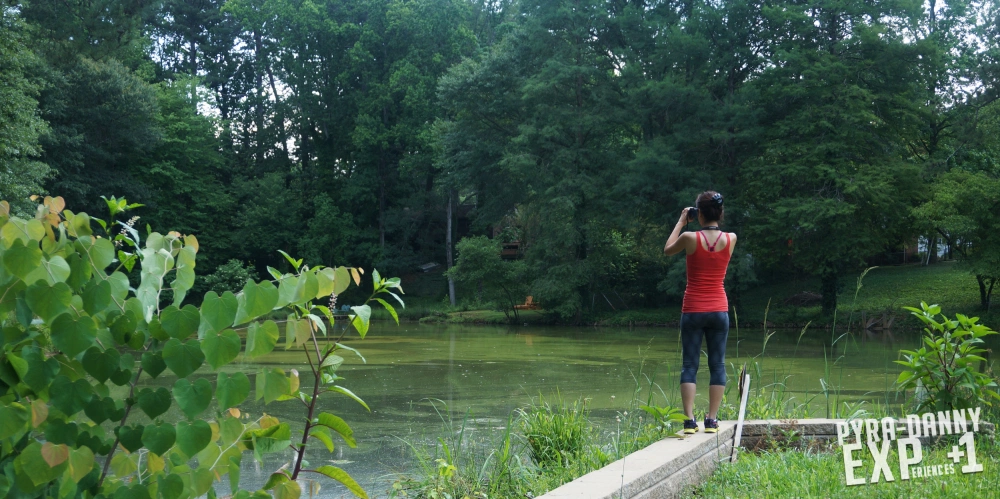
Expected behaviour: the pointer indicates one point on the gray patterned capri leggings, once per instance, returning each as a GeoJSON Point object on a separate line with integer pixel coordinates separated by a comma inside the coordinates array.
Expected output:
{"type": "Point", "coordinates": [714, 326]}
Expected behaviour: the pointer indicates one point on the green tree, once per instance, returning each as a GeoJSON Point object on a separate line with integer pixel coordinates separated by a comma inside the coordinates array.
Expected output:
{"type": "Point", "coordinates": [833, 184]}
{"type": "Point", "coordinates": [966, 205]}
{"type": "Point", "coordinates": [103, 125]}
{"type": "Point", "coordinates": [479, 265]}
{"type": "Point", "coordinates": [186, 176]}
{"type": "Point", "coordinates": [21, 174]}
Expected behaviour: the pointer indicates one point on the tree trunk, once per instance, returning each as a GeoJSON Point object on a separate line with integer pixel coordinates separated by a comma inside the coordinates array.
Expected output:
{"type": "Point", "coordinates": [381, 204]}
{"type": "Point", "coordinates": [449, 250]}
{"type": "Point", "coordinates": [282, 143]}
{"type": "Point", "coordinates": [829, 289]}
{"type": "Point", "coordinates": [259, 107]}
{"type": "Point", "coordinates": [985, 290]}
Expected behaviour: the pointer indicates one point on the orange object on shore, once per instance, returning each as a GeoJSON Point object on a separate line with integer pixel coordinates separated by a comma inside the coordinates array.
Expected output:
{"type": "Point", "coordinates": [529, 304]}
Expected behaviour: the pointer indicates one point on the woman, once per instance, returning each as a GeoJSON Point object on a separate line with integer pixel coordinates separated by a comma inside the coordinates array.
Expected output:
{"type": "Point", "coordinates": [706, 309]}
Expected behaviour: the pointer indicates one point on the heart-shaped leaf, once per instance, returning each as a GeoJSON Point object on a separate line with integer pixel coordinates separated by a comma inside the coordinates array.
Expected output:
{"type": "Point", "coordinates": [41, 371]}
{"type": "Point", "coordinates": [34, 464]}
{"type": "Point", "coordinates": [21, 260]}
{"type": "Point", "coordinates": [70, 396]}
{"type": "Point", "coordinates": [286, 290]}
{"type": "Point", "coordinates": [193, 398]}
{"type": "Point", "coordinates": [13, 418]}
{"type": "Point", "coordinates": [103, 409]}
{"type": "Point", "coordinates": [272, 384]}
{"type": "Point", "coordinates": [48, 302]}
{"type": "Point", "coordinates": [255, 300]}
{"type": "Point", "coordinates": [324, 280]}
{"type": "Point", "coordinates": [130, 437]}
{"type": "Point", "coordinates": [51, 270]}
{"type": "Point", "coordinates": [171, 486]}
{"type": "Point", "coordinates": [122, 377]}
{"type": "Point", "coordinates": [201, 481]}
{"type": "Point", "coordinates": [261, 338]}
{"type": "Point", "coordinates": [73, 335]}
{"type": "Point", "coordinates": [79, 271]}
{"type": "Point", "coordinates": [217, 312]}
{"type": "Point", "coordinates": [39, 412]}
{"type": "Point", "coordinates": [156, 330]}
{"type": "Point", "coordinates": [221, 349]}
{"type": "Point", "coordinates": [234, 474]}
{"type": "Point", "coordinates": [154, 402]}
{"type": "Point", "coordinates": [341, 280]}
{"type": "Point", "coordinates": [100, 252]}
{"type": "Point", "coordinates": [230, 430]}
{"type": "Point", "coordinates": [101, 364]}
{"type": "Point", "coordinates": [95, 443]}
{"type": "Point", "coordinates": [59, 432]}
{"type": "Point", "coordinates": [81, 463]}
{"type": "Point", "coordinates": [136, 491]}
{"type": "Point", "coordinates": [192, 438]}
{"type": "Point", "coordinates": [152, 363]}
{"type": "Point", "coordinates": [180, 323]}
{"type": "Point", "coordinates": [159, 438]}
{"type": "Point", "coordinates": [183, 358]}
{"type": "Point", "coordinates": [231, 390]}
{"type": "Point", "coordinates": [297, 332]}
{"type": "Point", "coordinates": [97, 296]}
{"type": "Point", "coordinates": [26, 231]}
{"type": "Point", "coordinates": [123, 327]}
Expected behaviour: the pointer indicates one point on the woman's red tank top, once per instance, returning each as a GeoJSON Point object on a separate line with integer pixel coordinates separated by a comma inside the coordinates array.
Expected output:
{"type": "Point", "coordinates": [706, 270]}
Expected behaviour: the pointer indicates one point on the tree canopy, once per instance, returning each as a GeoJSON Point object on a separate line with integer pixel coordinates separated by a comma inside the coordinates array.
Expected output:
{"type": "Point", "coordinates": [339, 130]}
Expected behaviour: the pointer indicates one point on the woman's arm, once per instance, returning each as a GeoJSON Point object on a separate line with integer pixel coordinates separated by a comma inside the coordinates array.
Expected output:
{"type": "Point", "coordinates": [677, 242]}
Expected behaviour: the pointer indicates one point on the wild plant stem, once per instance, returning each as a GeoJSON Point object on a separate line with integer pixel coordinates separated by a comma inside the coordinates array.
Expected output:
{"type": "Point", "coordinates": [128, 409]}
{"type": "Point", "coordinates": [312, 409]}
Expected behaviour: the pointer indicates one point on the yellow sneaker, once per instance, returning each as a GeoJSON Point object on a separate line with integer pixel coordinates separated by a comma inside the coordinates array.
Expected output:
{"type": "Point", "coordinates": [711, 425]}
{"type": "Point", "coordinates": [690, 427]}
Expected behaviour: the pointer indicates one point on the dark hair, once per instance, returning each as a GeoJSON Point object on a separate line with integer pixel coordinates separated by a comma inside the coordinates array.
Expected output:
{"type": "Point", "coordinates": [709, 205]}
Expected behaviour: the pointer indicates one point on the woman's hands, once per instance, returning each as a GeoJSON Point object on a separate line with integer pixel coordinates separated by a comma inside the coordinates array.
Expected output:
{"type": "Point", "coordinates": [683, 220]}
{"type": "Point", "coordinates": [675, 243]}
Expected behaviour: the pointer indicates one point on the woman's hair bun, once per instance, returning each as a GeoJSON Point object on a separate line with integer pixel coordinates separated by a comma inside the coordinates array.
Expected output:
{"type": "Point", "coordinates": [709, 204]}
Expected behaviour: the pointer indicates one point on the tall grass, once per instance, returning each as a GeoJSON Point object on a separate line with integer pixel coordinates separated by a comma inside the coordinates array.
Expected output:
{"type": "Point", "coordinates": [557, 433]}
{"type": "Point", "coordinates": [543, 445]}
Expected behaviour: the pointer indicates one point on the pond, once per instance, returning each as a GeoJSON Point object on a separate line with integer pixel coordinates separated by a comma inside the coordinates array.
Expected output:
{"type": "Point", "coordinates": [416, 374]}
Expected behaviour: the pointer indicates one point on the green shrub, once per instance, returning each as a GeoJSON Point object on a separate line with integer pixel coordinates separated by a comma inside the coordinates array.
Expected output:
{"type": "Point", "coordinates": [944, 372]}
{"type": "Point", "coordinates": [231, 276]}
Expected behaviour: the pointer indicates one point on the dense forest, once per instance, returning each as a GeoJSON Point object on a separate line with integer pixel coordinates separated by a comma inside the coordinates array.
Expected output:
{"type": "Point", "coordinates": [360, 132]}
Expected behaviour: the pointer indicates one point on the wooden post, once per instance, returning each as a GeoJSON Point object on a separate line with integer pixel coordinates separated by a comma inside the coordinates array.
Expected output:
{"type": "Point", "coordinates": [744, 392]}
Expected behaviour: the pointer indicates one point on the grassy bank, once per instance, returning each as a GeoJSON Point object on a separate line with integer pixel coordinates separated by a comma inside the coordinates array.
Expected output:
{"type": "Point", "coordinates": [877, 304]}
{"type": "Point", "coordinates": [808, 474]}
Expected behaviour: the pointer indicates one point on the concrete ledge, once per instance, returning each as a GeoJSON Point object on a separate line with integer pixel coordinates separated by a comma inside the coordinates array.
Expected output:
{"type": "Point", "coordinates": [666, 468]}
{"type": "Point", "coordinates": [660, 470]}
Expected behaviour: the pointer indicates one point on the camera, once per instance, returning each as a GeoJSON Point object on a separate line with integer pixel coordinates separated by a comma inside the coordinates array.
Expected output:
{"type": "Point", "coordinates": [692, 214]}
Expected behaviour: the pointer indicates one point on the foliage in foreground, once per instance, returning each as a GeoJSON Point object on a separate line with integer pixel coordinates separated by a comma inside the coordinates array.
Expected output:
{"type": "Point", "coordinates": [79, 341]}
{"type": "Point", "coordinates": [945, 372]}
